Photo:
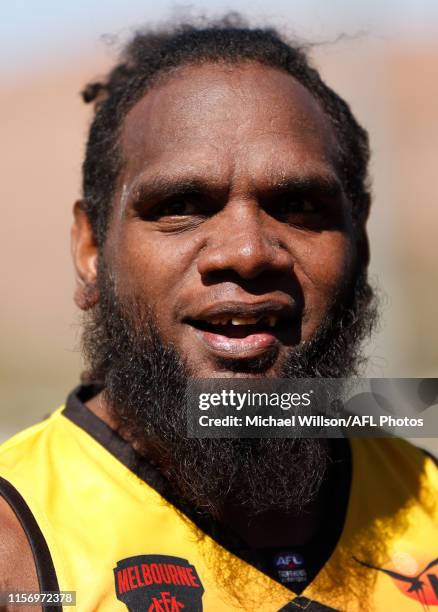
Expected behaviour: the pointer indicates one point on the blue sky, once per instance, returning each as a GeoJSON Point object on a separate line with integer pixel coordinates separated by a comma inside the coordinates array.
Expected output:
{"type": "Point", "coordinates": [36, 32]}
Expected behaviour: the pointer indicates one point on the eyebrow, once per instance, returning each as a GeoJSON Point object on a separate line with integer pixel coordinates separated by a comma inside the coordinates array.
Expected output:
{"type": "Point", "coordinates": [163, 187]}
{"type": "Point", "coordinates": [327, 184]}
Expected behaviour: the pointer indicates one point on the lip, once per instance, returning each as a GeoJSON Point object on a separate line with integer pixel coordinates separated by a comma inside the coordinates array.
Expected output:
{"type": "Point", "coordinates": [250, 346]}
{"type": "Point", "coordinates": [282, 308]}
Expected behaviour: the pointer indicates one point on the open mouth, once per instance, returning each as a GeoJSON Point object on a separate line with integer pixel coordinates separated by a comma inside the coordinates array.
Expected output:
{"type": "Point", "coordinates": [242, 331]}
{"type": "Point", "coordinates": [241, 327]}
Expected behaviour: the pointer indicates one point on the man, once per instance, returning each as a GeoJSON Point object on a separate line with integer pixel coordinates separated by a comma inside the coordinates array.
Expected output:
{"type": "Point", "coordinates": [221, 234]}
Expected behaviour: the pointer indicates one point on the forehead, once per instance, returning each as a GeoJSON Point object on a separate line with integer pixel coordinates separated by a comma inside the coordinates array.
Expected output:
{"type": "Point", "coordinates": [227, 120]}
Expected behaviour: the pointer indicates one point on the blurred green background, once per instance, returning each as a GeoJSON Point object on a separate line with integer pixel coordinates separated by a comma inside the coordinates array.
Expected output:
{"type": "Point", "coordinates": [381, 56]}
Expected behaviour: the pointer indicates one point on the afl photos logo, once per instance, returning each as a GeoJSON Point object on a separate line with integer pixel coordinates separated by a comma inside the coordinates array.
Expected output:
{"type": "Point", "coordinates": [158, 583]}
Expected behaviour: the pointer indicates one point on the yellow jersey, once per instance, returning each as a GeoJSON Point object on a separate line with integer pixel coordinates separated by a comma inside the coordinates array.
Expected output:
{"type": "Point", "coordinates": [100, 523]}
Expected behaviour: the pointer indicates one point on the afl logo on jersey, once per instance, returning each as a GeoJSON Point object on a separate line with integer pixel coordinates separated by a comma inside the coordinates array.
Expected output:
{"type": "Point", "coordinates": [158, 583]}
{"type": "Point", "coordinates": [287, 560]}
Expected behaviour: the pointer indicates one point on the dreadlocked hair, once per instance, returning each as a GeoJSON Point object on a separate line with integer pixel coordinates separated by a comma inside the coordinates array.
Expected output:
{"type": "Point", "coordinates": [152, 53]}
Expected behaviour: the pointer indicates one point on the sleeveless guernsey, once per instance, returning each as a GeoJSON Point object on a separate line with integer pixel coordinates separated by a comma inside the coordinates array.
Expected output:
{"type": "Point", "coordinates": [100, 523]}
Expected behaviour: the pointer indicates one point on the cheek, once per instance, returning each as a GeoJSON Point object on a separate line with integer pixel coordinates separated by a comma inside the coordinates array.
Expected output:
{"type": "Point", "coordinates": [148, 265]}
{"type": "Point", "coordinates": [324, 268]}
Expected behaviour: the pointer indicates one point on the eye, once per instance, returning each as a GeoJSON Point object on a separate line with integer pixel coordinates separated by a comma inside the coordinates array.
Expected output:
{"type": "Point", "coordinates": [177, 208]}
{"type": "Point", "coordinates": [294, 205]}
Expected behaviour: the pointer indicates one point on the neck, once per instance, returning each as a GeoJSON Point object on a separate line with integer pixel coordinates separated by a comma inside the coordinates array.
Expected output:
{"type": "Point", "coordinates": [275, 528]}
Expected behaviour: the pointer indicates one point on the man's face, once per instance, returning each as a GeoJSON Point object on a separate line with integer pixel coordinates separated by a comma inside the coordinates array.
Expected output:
{"type": "Point", "coordinates": [229, 220]}
{"type": "Point", "coordinates": [230, 252]}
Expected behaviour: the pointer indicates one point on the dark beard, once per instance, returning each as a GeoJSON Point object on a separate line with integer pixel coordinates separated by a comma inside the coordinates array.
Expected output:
{"type": "Point", "coordinates": [145, 382]}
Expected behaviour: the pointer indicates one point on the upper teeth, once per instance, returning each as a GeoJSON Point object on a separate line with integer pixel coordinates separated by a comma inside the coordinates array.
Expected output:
{"type": "Point", "coordinates": [271, 320]}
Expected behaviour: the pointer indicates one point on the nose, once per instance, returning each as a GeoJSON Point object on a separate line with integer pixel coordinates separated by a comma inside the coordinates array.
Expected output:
{"type": "Point", "coordinates": [245, 241]}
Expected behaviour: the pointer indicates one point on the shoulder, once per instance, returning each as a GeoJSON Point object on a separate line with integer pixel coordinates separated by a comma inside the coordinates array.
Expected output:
{"type": "Point", "coordinates": [397, 464]}
{"type": "Point", "coordinates": [429, 455]}
{"type": "Point", "coordinates": [23, 549]}
{"type": "Point", "coordinates": [17, 566]}
{"type": "Point", "coordinates": [393, 449]}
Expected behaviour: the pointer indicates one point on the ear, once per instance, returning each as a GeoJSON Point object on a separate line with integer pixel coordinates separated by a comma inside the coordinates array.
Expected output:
{"type": "Point", "coordinates": [85, 253]}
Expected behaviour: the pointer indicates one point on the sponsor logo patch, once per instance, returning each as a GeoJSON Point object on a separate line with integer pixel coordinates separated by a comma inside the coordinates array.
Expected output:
{"type": "Point", "coordinates": [158, 583]}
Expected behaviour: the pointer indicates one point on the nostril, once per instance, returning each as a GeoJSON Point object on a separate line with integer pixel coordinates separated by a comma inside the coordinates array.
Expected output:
{"type": "Point", "coordinates": [248, 254]}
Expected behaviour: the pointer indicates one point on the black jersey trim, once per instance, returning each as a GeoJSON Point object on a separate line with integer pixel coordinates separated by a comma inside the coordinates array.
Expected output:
{"type": "Point", "coordinates": [338, 488]}
{"type": "Point", "coordinates": [306, 605]}
{"type": "Point", "coordinates": [76, 410]}
{"type": "Point", "coordinates": [46, 573]}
